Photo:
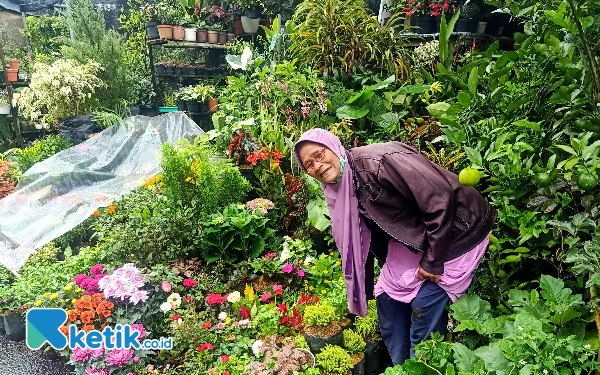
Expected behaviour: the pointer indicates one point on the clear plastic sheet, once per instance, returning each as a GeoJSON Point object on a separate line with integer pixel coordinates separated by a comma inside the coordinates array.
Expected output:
{"type": "Point", "coordinates": [62, 191]}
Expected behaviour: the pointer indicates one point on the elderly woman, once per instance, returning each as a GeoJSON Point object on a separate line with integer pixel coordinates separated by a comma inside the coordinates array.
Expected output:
{"type": "Point", "coordinates": [387, 201]}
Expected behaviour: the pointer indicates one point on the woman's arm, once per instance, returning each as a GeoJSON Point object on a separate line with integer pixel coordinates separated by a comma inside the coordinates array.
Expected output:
{"type": "Point", "coordinates": [414, 176]}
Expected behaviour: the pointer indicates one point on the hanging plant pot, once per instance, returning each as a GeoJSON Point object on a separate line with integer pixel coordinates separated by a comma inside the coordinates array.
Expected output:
{"type": "Point", "coordinates": [152, 30]}
{"type": "Point", "coordinates": [250, 25]}
{"type": "Point", "coordinates": [190, 34]}
{"type": "Point", "coordinates": [15, 64]}
{"type": "Point", "coordinates": [178, 33]}
{"type": "Point", "coordinates": [14, 326]}
{"type": "Point", "coordinates": [239, 29]}
{"type": "Point", "coordinates": [165, 32]}
{"type": "Point", "coordinates": [202, 35]}
{"type": "Point", "coordinates": [377, 358]}
{"type": "Point", "coordinates": [222, 39]}
{"type": "Point", "coordinates": [213, 105]}
{"type": "Point", "coordinates": [317, 343]}
{"type": "Point", "coordinates": [358, 363]}
{"type": "Point", "coordinates": [4, 109]}
{"type": "Point", "coordinates": [12, 75]}
{"type": "Point", "coordinates": [230, 37]}
{"type": "Point", "coordinates": [213, 37]}
{"type": "Point", "coordinates": [193, 106]}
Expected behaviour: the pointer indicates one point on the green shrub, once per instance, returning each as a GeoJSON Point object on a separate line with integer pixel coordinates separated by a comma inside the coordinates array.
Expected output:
{"type": "Point", "coordinates": [301, 343]}
{"type": "Point", "coordinates": [353, 342]}
{"type": "Point", "coordinates": [320, 314]}
{"type": "Point", "coordinates": [40, 150]}
{"type": "Point", "coordinates": [368, 327]}
{"type": "Point", "coordinates": [74, 237]}
{"type": "Point", "coordinates": [43, 256]}
{"type": "Point", "coordinates": [6, 277]}
{"type": "Point", "coordinates": [334, 360]}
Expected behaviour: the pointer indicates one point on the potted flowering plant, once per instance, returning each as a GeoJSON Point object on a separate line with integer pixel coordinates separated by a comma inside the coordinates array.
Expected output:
{"type": "Point", "coordinates": [149, 14]}
{"type": "Point", "coordinates": [439, 7]}
{"type": "Point", "coordinates": [418, 13]}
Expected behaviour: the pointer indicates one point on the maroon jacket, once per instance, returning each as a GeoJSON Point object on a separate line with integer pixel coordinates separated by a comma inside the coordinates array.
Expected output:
{"type": "Point", "coordinates": [420, 203]}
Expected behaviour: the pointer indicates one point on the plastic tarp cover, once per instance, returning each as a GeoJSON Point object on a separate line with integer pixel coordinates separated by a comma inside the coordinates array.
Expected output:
{"type": "Point", "coordinates": [62, 191]}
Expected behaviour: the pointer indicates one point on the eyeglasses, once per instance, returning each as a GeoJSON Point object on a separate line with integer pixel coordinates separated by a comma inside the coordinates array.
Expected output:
{"type": "Point", "coordinates": [316, 156]}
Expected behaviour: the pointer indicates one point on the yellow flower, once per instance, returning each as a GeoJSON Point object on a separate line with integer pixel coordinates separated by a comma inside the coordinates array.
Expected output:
{"type": "Point", "coordinates": [300, 261]}
{"type": "Point", "coordinates": [78, 290]}
{"type": "Point", "coordinates": [45, 295]}
{"type": "Point", "coordinates": [325, 272]}
{"type": "Point", "coordinates": [305, 288]}
{"type": "Point", "coordinates": [227, 320]}
{"type": "Point", "coordinates": [311, 288]}
{"type": "Point", "coordinates": [188, 179]}
{"type": "Point", "coordinates": [331, 253]}
{"type": "Point", "coordinates": [69, 286]}
{"type": "Point", "coordinates": [323, 291]}
{"type": "Point", "coordinates": [249, 292]}
{"type": "Point", "coordinates": [436, 87]}
{"type": "Point", "coordinates": [53, 296]}
{"type": "Point", "coordinates": [73, 301]}
{"type": "Point", "coordinates": [326, 281]}
{"type": "Point", "coordinates": [337, 263]}
{"type": "Point", "coordinates": [305, 281]}
{"type": "Point", "coordinates": [38, 302]}
{"type": "Point", "coordinates": [313, 267]}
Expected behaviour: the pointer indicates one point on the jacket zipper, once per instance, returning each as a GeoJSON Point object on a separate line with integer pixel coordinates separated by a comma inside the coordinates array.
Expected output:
{"type": "Point", "coordinates": [389, 234]}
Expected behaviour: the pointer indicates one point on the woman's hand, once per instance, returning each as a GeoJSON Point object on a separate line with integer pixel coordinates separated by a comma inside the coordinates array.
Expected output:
{"type": "Point", "coordinates": [424, 275]}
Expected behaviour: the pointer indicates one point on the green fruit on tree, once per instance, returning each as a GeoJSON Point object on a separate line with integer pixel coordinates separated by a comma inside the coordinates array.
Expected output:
{"type": "Point", "coordinates": [586, 181]}
{"type": "Point", "coordinates": [542, 179]}
{"type": "Point", "coordinates": [469, 177]}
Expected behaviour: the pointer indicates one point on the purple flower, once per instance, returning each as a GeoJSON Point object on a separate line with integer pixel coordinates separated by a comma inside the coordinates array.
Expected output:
{"type": "Point", "coordinates": [125, 283]}
{"type": "Point", "coordinates": [287, 268]}
{"type": "Point", "coordinates": [119, 357]}
{"type": "Point", "coordinates": [79, 279]}
{"type": "Point", "coordinates": [300, 273]}
{"type": "Point", "coordinates": [96, 371]}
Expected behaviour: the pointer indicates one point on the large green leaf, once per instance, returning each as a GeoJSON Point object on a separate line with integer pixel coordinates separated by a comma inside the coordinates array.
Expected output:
{"type": "Point", "coordinates": [412, 89]}
{"type": "Point", "coordinates": [473, 81]}
{"type": "Point", "coordinates": [495, 361]}
{"type": "Point", "coordinates": [474, 156]}
{"type": "Point", "coordinates": [438, 109]}
{"type": "Point", "coordinates": [471, 307]}
{"type": "Point", "coordinates": [351, 112]}
{"type": "Point", "coordinates": [464, 98]}
{"type": "Point", "coordinates": [528, 124]}
{"type": "Point", "coordinates": [464, 358]}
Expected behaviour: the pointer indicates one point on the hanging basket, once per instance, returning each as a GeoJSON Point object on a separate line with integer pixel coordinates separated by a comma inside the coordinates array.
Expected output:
{"type": "Point", "coordinates": [250, 25]}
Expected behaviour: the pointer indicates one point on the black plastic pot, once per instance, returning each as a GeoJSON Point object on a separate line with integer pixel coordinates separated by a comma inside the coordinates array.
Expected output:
{"type": "Point", "coordinates": [2, 76]}
{"type": "Point", "coordinates": [359, 368]}
{"type": "Point", "coordinates": [169, 70]}
{"type": "Point", "coordinates": [147, 110]}
{"type": "Point", "coordinates": [181, 106]}
{"type": "Point", "coordinates": [2, 330]}
{"type": "Point", "coordinates": [377, 358]}
{"type": "Point", "coordinates": [14, 327]}
{"type": "Point", "coordinates": [465, 25]}
{"type": "Point", "coordinates": [152, 30]}
{"type": "Point", "coordinates": [193, 107]}
{"type": "Point", "coordinates": [249, 175]}
{"type": "Point", "coordinates": [177, 71]}
{"type": "Point", "coordinates": [159, 69]}
{"type": "Point", "coordinates": [77, 128]}
{"type": "Point", "coordinates": [316, 344]}
{"type": "Point", "coordinates": [424, 24]}
{"type": "Point", "coordinates": [254, 12]}
{"type": "Point", "coordinates": [203, 107]}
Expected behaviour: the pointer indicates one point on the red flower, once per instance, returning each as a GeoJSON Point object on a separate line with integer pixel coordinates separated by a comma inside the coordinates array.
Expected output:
{"type": "Point", "coordinates": [176, 317]}
{"type": "Point", "coordinates": [224, 358]}
{"type": "Point", "coordinates": [187, 299]}
{"type": "Point", "coordinates": [225, 372]}
{"type": "Point", "coordinates": [278, 289]}
{"type": "Point", "coordinates": [282, 308]}
{"type": "Point", "coordinates": [265, 297]}
{"type": "Point", "coordinates": [245, 313]}
{"type": "Point", "coordinates": [283, 320]}
{"type": "Point", "coordinates": [189, 283]}
{"type": "Point", "coordinates": [205, 346]}
{"type": "Point", "coordinates": [215, 299]}
{"type": "Point", "coordinates": [207, 325]}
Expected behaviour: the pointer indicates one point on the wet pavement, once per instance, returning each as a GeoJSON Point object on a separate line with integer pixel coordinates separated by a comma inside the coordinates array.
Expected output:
{"type": "Point", "coordinates": [17, 359]}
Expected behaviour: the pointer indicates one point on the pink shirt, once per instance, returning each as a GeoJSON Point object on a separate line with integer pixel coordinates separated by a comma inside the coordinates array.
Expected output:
{"type": "Point", "coordinates": [399, 277]}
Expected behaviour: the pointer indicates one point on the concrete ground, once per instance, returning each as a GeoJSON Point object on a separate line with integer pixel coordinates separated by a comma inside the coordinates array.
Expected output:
{"type": "Point", "coordinates": [17, 359]}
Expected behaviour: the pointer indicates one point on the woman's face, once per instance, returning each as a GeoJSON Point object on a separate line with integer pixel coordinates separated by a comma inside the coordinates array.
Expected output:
{"type": "Point", "coordinates": [320, 162]}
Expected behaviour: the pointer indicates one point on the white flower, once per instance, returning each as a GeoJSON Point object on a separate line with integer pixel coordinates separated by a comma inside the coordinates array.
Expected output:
{"type": "Point", "coordinates": [545, 371]}
{"type": "Point", "coordinates": [587, 346]}
{"type": "Point", "coordinates": [223, 315]}
{"type": "Point", "coordinates": [256, 347]}
{"type": "Point", "coordinates": [308, 260]}
{"type": "Point", "coordinates": [234, 297]}
{"type": "Point", "coordinates": [520, 328]}
{"type": "Point", "coordinates": [166, 307]}
{"type": "Point", "coordinates": [174, 299]}
{"type": "Point", "coordinates": [523, 362]}
{"type": "Point", "coordinates": [243, 322]}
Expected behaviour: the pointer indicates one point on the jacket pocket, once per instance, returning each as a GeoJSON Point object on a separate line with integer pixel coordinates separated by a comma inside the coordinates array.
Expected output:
{"type": "Point", "coordinates": [462, 220]}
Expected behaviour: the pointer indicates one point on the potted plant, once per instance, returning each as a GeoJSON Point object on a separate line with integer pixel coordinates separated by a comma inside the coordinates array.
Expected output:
{"type": "Point", "coordinates": [439, 7]}
{"type": "Point", "coordinates": [15, 64]}
{"type": "Point", "coordinates": [334, 360]}
{"type": "Point", "coordinates": [376, 355]}
{"type": "Point", "coordinates": [213, 33]}
{"type": "Point", "coordinates": [213, 100]}
{"type": "Point", "coordinates": [469, 14]}
{"type": "Point", "coordinates": [284, 358]}
{"type": "Point", "coordinates": [12, 75]}
{"type": "Point", "coordinates": [178, 29]}
{"type": "Point", "coordinates": [355, 345]}
{"type": "Point", "coordinates": [4, 104]}
{"type": "Point", "coordinates": [193, 98]}
{"type": "Point", "coordinates": [202, 31]}
{"type": "Point", "coordinates": [215, 16]}
{"type": "Point", "coordinates": [170, 104]}
{"type": "Point", "coordinates": [251, 11]}
{"type": "Point", "coordinates": [148, 12]}
{"type": "Point", "coordinates": [229, 26]}
{"type": "Point", "coordinates": [180, 98]}
{"type": "Point", "coordinates": [321, 327]}
{"type": "Point", "coordinates": [417, 12]}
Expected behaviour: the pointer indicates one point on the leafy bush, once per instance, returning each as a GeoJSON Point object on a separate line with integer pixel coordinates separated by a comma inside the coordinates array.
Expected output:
{"type": "Point", "coordinates": [368, 327]}
{"type": "Point", "coordinates": [334, 360]}
{"type": "Point", "coordinates": [235, 234]}
{"type": "Point", "coordinates": [40, 150]}
{"type": "Point", "coordinates": [353, 342]}
{"type": "Point", "coordinates": [44, 256]}
{"type": "Point", "coordinates": [320, 314]}
{"type": "Point", "coordinates": [47, 33]}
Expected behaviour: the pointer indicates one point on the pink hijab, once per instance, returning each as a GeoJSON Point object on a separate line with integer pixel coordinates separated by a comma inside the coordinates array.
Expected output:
{"type": "Point", "coordinates": [351, 235]}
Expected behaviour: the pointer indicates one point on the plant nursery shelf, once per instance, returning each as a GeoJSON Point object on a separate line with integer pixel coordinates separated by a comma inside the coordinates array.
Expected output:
{"type": "Point", "coordinates": [186, 76]}
{"type": "Point", "coordinates": [417, 39]}
{"type": "Point", "coordinates": [15, 84]}
{"type": "Point", "coordinates": [178, 44]}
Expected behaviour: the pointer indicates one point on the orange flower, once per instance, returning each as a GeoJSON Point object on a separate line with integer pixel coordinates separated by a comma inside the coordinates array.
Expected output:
{"type": "Point", "coordinates": [112, 209]}
{"type": "Point", "coordinates": [96, 213]}
{"type": "Point", "coordinates": [64, 330]}
{"type": "Point", "coordinates": [109, 305]}
{"type": "Point", "coordinates": [100, 309]}
{"type": "Point", "coordinates": [106, 313]}
{"type": "Point", "coordinates": [87, 328]}
{"type": "Point", "coordinates": [72, 315]}
{"type": "Point", "coordinates": [97, 299]}
{"type": "Point", "coordinates": [87, 316]}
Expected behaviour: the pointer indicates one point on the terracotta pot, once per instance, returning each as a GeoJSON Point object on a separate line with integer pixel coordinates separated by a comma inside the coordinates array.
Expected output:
{"type": "Point", "coordinates": [239, 29]}
{"type": "Point", "coordinates": [190, 34]}
{"type": "Point", "coordinates": [250, 25]}
{"type": "Point", "coordinates": [213, 37]}
{"type": "Point", "coordinates": [15, 64]}
{"type": "Point", "coordinates": [222, 39]}
{"type": "Point", "coordinates": [12, 75]}
{"type": "Point", "coordinates": [213, 105]}
{"type": "Point", "coordinates": [165, 31]}
{"type": "Point", "coordinates": [178, 33]}
{"type": "Point", "coordinates": [202, 35]}
{"type": "Point", "coordinates": [230, 37]}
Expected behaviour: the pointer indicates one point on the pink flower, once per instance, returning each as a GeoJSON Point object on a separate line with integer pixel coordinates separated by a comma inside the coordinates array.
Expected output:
{"type": "Point", "coordinates": [232, 337]}
{"type": "Point", "coordinates": [176, 317]}
{"type": "Point", "coordinates": [287, 268]}
{"type": "Point", "coordinates": [136, 359]}
{"type": "Point", "coordinates": [80, 355]}
{"type": "Point", "coordinates": [221, 325]}
{"type": "Point", "coordinates": [278, 289]}
{"type": "Point", "coordinates": [224, 358]}
{"type": "Point", "coordinates": [140, 328]}
{"type": "Point", "coordinates": [300, 273]}
{"type": "Point", "coordinates": [119, 357]}
{"type": "Point", "coordinates": [187, 299]}
{"type": "Point", "coordinates": [97, 269]}
{"type": "Point", "coordinates": [96, 371]}
{"type": "Point", "coordinates": [270, 255]}
{"type": "Point", "coordinates": [189, 283]}
{"type": "Point", "coordinates": [165, 286]}
{"type": "Point", "coordinates": [97, 353]}
{"type": "Point", "coordinates": [243, 322]}
{"type": "Point", "coordinates": [205, 346]}
{"type": "Point", "coordinates": [265, 297]}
